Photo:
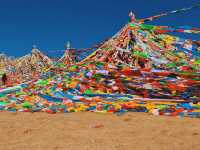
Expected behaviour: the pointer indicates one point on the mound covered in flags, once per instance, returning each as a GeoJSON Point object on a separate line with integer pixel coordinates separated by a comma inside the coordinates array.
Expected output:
{"type": "Point", "coordinates": [23, 69]}
{"type": "Point", "coordinates": [140, 69]}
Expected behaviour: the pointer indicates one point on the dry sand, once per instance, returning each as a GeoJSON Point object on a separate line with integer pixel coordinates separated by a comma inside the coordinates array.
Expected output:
{"type": "Point", "coordinates": [76, 131]}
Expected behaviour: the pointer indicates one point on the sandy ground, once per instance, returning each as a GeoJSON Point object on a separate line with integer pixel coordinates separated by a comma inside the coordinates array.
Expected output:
{"type": "Point", "coordinates": [92, 131]}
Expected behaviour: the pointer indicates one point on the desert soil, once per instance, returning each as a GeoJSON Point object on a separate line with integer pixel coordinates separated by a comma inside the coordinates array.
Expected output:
{"type": "Point", "coordinates": [93, 131]}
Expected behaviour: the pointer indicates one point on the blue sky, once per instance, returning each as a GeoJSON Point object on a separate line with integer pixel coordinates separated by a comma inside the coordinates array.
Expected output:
{"type": "Point", "coordinates": [50, 23]}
